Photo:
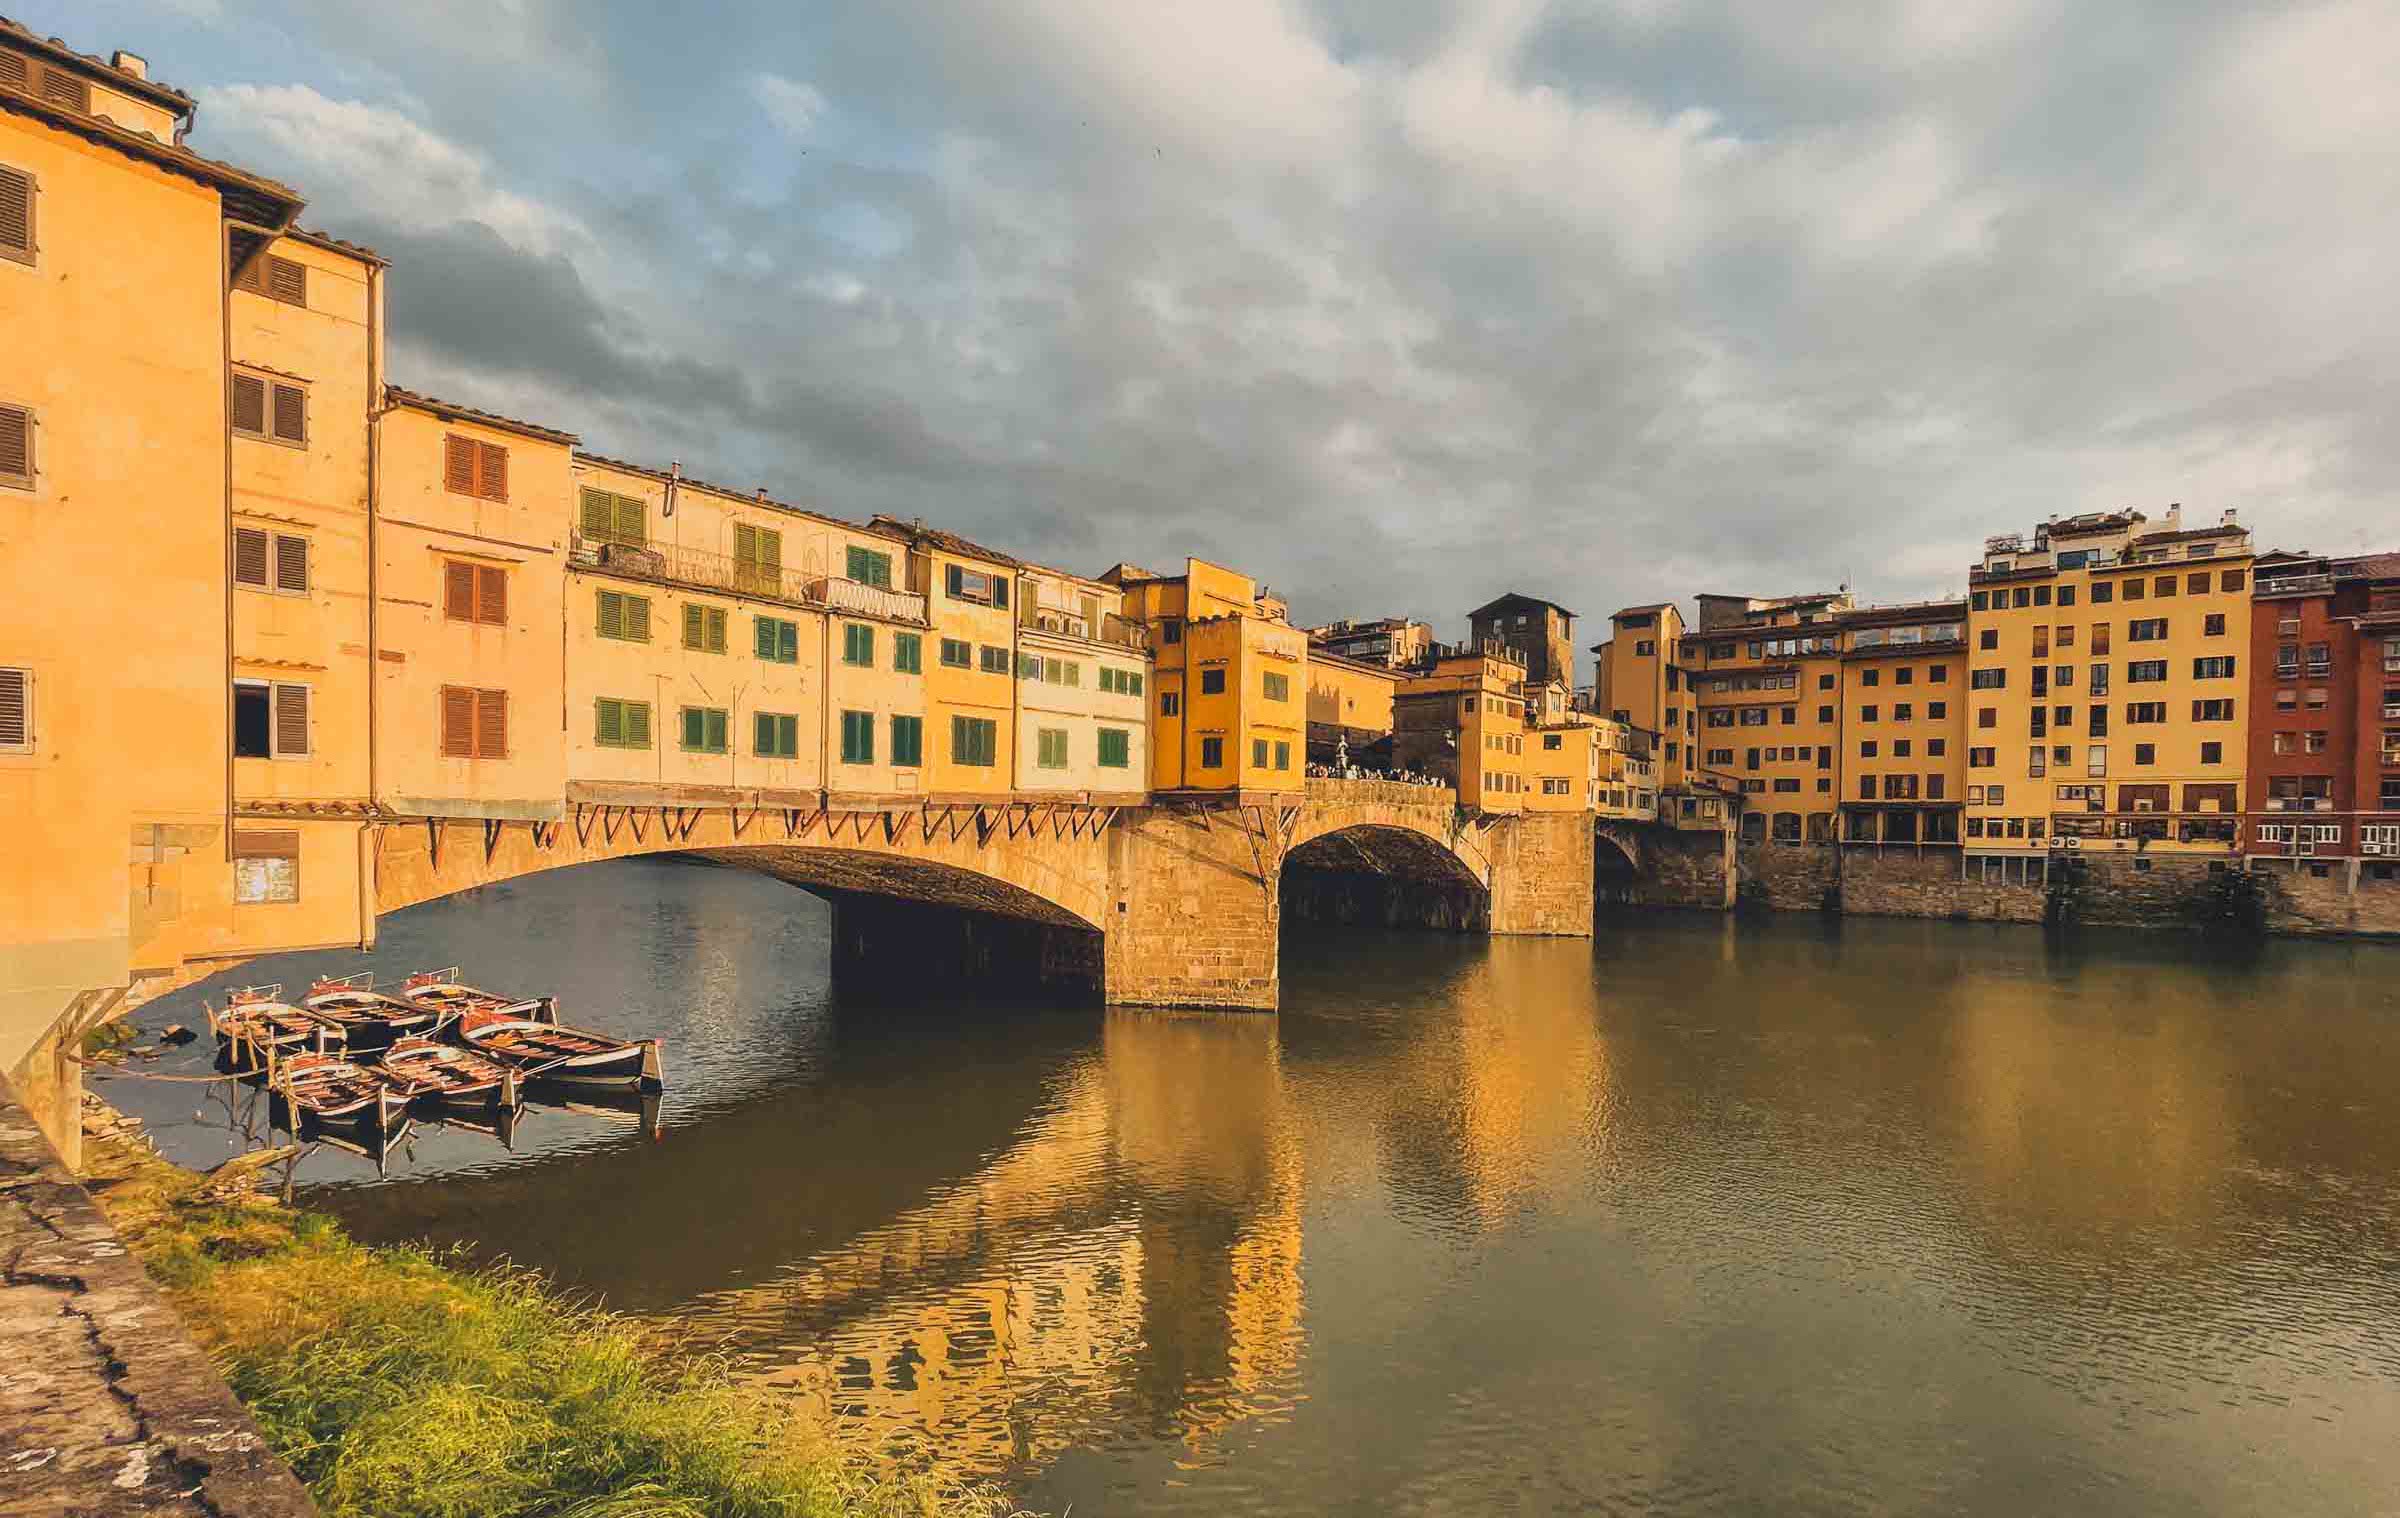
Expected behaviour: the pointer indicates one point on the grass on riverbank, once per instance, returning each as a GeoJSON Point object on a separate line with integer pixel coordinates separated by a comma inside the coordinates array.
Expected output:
{"type": "Point", "coordinates": [399, 1385]}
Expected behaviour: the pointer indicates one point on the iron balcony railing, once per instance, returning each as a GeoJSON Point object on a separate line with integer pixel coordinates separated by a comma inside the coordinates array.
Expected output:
{"type": "Point", "coordinates": [674, 564]}
{"type": "Point", "coordinates": [2295, 585]}
{"type": "Point", "coordinates": [1111, 629]}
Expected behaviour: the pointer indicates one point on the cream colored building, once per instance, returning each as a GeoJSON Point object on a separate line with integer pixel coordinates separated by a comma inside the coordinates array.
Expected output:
{"type": "Point", "coordinates": [1083, 690]}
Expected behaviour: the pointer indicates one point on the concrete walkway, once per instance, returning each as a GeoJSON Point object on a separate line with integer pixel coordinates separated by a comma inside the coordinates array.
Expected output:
{"type": "Point", "coordinates": [106, 1404]}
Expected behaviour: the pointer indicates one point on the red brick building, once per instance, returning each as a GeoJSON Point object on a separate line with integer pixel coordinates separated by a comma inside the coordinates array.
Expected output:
{"type": "Point", "coordinates": [2324, 771]}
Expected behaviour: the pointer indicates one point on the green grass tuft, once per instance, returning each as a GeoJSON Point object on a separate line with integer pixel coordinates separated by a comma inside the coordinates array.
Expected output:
{"type": "Point", "coordinates": [399, 1384]}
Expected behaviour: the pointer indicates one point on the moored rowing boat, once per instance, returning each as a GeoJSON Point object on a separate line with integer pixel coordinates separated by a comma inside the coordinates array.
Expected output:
{"type": "Point", "coordinates": [450, 1076]}
{"type": "Point", "coordinates": [330, 1090]}
{"type": "Point", "coordinates": [370, 1018]}
{"type": "Point", "coordinates": [258, 1023]}
{"type": "Point", "coordinates": [567, 1056]}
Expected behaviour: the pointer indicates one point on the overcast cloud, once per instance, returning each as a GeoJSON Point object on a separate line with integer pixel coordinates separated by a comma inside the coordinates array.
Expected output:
{"type": "Point", "coordinates": [1395, 303]}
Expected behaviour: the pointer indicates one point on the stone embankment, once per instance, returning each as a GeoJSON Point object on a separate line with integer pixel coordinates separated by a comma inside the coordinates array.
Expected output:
{"type": "Point", "coordinates": [107, 1406]}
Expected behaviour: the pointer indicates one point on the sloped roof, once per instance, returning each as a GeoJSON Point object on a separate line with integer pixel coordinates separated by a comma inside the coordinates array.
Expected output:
{"type": "Point", "coordinates": [451, 410]}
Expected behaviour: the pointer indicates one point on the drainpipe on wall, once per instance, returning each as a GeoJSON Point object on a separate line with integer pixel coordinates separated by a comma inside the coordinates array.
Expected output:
{"type": "Point", "coordinates": [225, 567]}
{"type": "Point", "coordinates": [370, 832]}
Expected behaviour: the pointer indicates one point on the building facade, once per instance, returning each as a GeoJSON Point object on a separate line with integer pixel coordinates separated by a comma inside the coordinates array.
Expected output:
{"type": "Point", "coordinates": [1766, 675]}
{"type": "Point", "coordinates": [2324, 687]}
{"type": "Point", "coordinates": [1903, 761]}
{"type": "Point", "coordinates": [1541, 632]}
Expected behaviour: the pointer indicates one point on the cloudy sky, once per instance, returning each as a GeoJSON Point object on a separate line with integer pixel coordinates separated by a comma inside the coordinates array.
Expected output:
{"type": "Point", "coordinates": [1395, 303]}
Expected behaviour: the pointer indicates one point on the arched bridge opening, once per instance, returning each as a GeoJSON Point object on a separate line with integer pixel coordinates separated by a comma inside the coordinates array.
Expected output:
{"type": "Point", "coordinates": [1379, 875]}
{"type": "Point", "coordinates": [1616, 869]}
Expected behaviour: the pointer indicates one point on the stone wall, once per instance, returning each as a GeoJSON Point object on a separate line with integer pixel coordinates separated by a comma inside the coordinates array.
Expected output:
{"type": "Point", "coordinates": [1542, 875]}
{"type": "Point", "coordinates": [2350, 897]}
{"type": "Point", "coordinates": [1195, 910]}
{"type": "Point", "coordinates": [1795, 876]}
{"type": "Point", "coordinates": [1682, 868]}
{"type": "Point", "coordinates": [1365, 897]}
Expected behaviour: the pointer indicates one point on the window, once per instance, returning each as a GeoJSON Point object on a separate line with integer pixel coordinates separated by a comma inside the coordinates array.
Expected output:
{"type": "Point", "coordinates": [476, 468]}
{"type": "Point", "coordinates": [704, 628]}
{"type": "Point", "coordinates": [774, 735]}
{"type": "Point", "coordinates": [2213, 625]}
{"type": "Point", "coordinates": [1170, 630]}
{"type": "Point", "coordinates": [1988, 639]}
{"type": "Point", "coordinates": [1989, 679]}
{"type": "Point", "coordinates": [1212, 753]}
{"type": "Point", "coordinates": [973, 585]}
{"type": "Point", "coordinates": [1116, 748]}
{"type": "Point", "coordinates": [908, 653]}
{"type": "Point", "coordinates": [908, 741]}
{"type": "Point", "coordinates": [16, 710]}
{"type": "Point", "coordinates": [2099, 721]}
{"type": "Point", "coordinates": [1866, 750]}
{"type": "Point", "coordinates": [1904, 712]}
{"type": "Point", "coordinates": [2143, 712]}
{"type": "Point", "coordinates": [270, 720]}
{"type": "Point", "coordinates": [1935, 748]}
{"type": "Point", "coordinates": [2163, 587]}
{"type": "Point", "coordinates": [2066, 595]}
{"type": "Point", "coordinates": [858, 737]}
{"type": "Point", "coordinates": [266, 866]}
{"type": "Point", "coordinates": [2230, 580]}
{"type": "Point", "coordinates": [277, 278]}
{"type": "Point", "coordinates": [2041, 595]}
{"type": "Point", "coordinates": [1051, 748]}
{"type": "Point", "coordinates": [2134, 590]}
{"type": "Point", "coordinates": [1982, 758]}
{"type": "Point", "coordinates": [1824, 714]}
{"type": "Point", "coordinates": [1870, 677]}
{"type": "Point", "coordinates": [623, 617]}
{"type": "Point", "coordinates": [1867, 713]}
{"type": "Point", "coordinates": [620, 724]}
{"type": "Point", "coordinates": [858, 645]}
{"type": "Point", "coordinates": [16, 447]}
{"type": "Point", "coordinates": [757, 559]}
{"type": "Point", "coordinates": [1987, 716]}
{"type": "Point", "coordinates": [1905, 675]}
{"type": "Point", "coordinates": [867, 567]}
{"type": "Point", "coordinates": [958, 653]}
{"type": "Point", "coordinates": [607, 517]}
{"type": "Point", "coordinates": [270, 409]}
{"type": "Point", "coordinates": [2146, 630]}
{"type": "Point", "coordinates": [2316, 742]}
{"type": "Point", "coordinates": [2212, 753]}
{"type": "Point", "coordinates": [1276, 687]}
{"type": "Point", "coordinates": [1645, 648]}
{"type": "Point", "coordinates": [2218, 710]}
{"type": "Point", "coordinates": [1258, 753]}
{"type": "Point", "coordinates": [1170, 703]}
{"type": "Point", "coordinates": [16, 215]}
{"type": "Point", "coordinates": [703, 730]}
{"type": "Point", "coordinates": [2219, 668]}
{"type": "Point", "coordinates": [471, 592]}
{"type": "Point", "coordinates": [2145, 671]}
{"type": "Point", "coordinates": [474, 723]}
{"type": "Point", "coordinates": [1283, 761]}
{"type": "Point", "coordinates": [776, 640]}
{"type": "Point", "coordinates": [995, 660]}
{"type": "Point", "coordinates": [270, 561]}
{"type": "Point", "coordinates": [1824, 682]}
{"type": "Point", "coordinates": [1938, 674]}
{"type": "Point", "coordinates": [1901, 747]}
{"type": "Point", "coordinates": [2145, 753]}
{"type": "Point", "coordinates": [2104, 592]}
{"type": "Point", "coordinates": [1212, 682]}
{"type": "Point", "coordinates": [974, 741]}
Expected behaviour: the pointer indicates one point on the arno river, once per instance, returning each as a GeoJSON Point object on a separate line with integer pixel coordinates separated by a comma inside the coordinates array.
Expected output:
{"type": "Point", "coordinates": [1865, 1217]}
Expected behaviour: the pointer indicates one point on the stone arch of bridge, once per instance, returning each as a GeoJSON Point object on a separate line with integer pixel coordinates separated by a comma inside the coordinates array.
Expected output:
{"type": "Point", "coordinates": [1394, 876]}
{"type": "Point", "coordinates": [1040, 869]}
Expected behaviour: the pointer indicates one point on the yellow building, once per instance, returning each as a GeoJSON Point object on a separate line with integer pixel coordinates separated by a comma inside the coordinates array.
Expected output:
{"type": "Point", "coordinates": [1390, 642]}
{"type": "Point", "coordinates": [2107, 707]}
{"type": "Point", "coordinates": [970, 672]}
{"type": "Point", "coordinates": [1639, 681]}
{"type": "Point", "coordinates": [736, 642]}
{"type": "Point", "coordinates": [470, 544]}
{"type": "Point", "coordinates": [1462, 718]}
{"type": "Point", "coordinates": [118, 251]}
{"type": "Point", "coordinates": [1349, 706]}
{"type": "Point", "coordinates": [305, 327]}
{"type": "Point", "coordinates": [1230, 710]}
{"type": "Point", "coordinates": [1083, 690]}
{"type": "Point", "coordinates": [1902, 737]}
{"type": "Point", "coordinates": [1765, 674]}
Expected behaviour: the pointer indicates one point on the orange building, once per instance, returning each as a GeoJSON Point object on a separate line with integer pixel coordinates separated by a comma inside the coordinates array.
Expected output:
{"type": "Point", "coordinates": [1765, 674]}
{"type": "Point", "coordinates": [1902, 716]}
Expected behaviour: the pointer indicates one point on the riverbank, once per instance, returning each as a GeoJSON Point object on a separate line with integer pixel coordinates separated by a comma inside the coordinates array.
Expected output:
{"type": "Point", "coordinates": [396, 1382]}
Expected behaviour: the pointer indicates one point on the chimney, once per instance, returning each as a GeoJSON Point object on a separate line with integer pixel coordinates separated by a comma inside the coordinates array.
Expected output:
{"type": "Point", "coordinates": [132, 65]}
{"type": "Point", "coordinates": [2230, 518]}
{"type": "Point", "coordinates": [2174, 521]}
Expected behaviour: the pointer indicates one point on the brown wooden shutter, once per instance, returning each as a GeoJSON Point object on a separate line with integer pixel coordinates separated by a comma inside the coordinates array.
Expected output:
{"type": "Point", "coordinates": [291, 719]}
{"type": "Point", "coordinates": [62, 88]}
{"type": "Point", "coordinates": [250, 556]}
{"type": "Point", "coordinates": [492, 481]}
{"type": "Point", "coordinates": [15, 708]}
{"type": "Point", "coordinates": [291, 562]}
{"type": "Point", "coordinates": [266, 843]}
{"type": "Point", "coordinates": [458, 722]}
{"type": "Point", "coordinates": [12, 68]}
{"type": "Point", "coordinates": [458, 590]}
{"type": "Point", "coordinates": [16, 445]}
{"type": "Point", "coordinates": [458, 464]}
{"type": "Point", "coordinates": [491, 724]}
{"type": "Point", "coordinates": [252, 276]}
{"type": "Point", "coordinates": [287, 281]}
{"type": "Point", "coordinates": [491, 595]}
{"type": "Point", "coordinates": [250, 404]}
{"type": "Point", "coordinates": [291, 414]}
{"type": "Point", "coordinates": [16, 215]}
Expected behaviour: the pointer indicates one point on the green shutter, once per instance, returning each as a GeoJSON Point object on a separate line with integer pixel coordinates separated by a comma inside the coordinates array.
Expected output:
{"type": "Point", "coordinates": [695, 625]}
{"type": "Point", "coordinates": [715, 732]}
{"type": "Point", "coordinates": [637, 724]}
{"type": "Point", "coordinates": [1135, 689]}
{"type": "Point", "coordinates": [637, 618]}
{"type": "Point", "coordinates": [612, 615]}
{"type": "Point", "coordinates": [762, 734]}
{"type": "Point", "coordinates": [908, 741]}
{"type": "Point", "coordinates": [787, 642]}
{"type": "Point", "coordinates": [695, 727]}
{"type": "Point", "coordinates": [608, 725]}
{"type": "Point", "coordinates": [1115, 748]}
{"type": "Point", "coordinates": [632, 525]}
{"type": "Point", "coordinates": [908, 653]}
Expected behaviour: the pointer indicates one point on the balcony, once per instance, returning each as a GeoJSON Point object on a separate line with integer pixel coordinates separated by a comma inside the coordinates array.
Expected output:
{"type": "Point", "coordinates": [2299, 804]}
{"type": "Point", "coordinates": [1111, 629]}
{"type": "Point", "coordinates": [2296, 585]}
{"type": "Point", "coordinates": [672, 564]}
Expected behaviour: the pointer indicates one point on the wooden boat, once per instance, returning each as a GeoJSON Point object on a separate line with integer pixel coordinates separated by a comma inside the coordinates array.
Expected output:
{"type": "Point", "coordinates": [567, 1056]}
{"type": "Point", "coordinates": [452, 998]}
{"type": "Point", "coordinates": [331, 1091]}
{"type": "Point", "coordinates": [257, 1023]}
{"type": "Point", "coordinates": [368, 1016]}
{"type": "Point", "coordinates": [449, 1076]}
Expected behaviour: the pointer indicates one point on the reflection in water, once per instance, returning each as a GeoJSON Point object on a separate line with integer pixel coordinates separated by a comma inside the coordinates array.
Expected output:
{"type": "Point", "coordinates": [1694, 1219]}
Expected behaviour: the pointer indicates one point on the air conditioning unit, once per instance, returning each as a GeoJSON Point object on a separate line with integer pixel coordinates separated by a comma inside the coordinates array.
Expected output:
{"type": "Point", "coordinates": [2373, 848]}
{"type": "Point", "coordinates": [2057, 842]}
{"type": "Point", "coordinates": [2074, 843]}
{"type": "Point", "coordinates": [2145, 805]}
{"type": "Point", "coordinates": [2304, 848]}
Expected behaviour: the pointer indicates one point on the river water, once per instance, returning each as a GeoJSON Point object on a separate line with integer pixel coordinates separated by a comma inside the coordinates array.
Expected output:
{"type": "Point", "coordinates": [1861, 1217]}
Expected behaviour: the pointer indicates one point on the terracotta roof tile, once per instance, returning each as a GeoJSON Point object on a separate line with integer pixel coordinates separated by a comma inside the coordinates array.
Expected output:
{"type": "Point", "coordinates": [395, 396]}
